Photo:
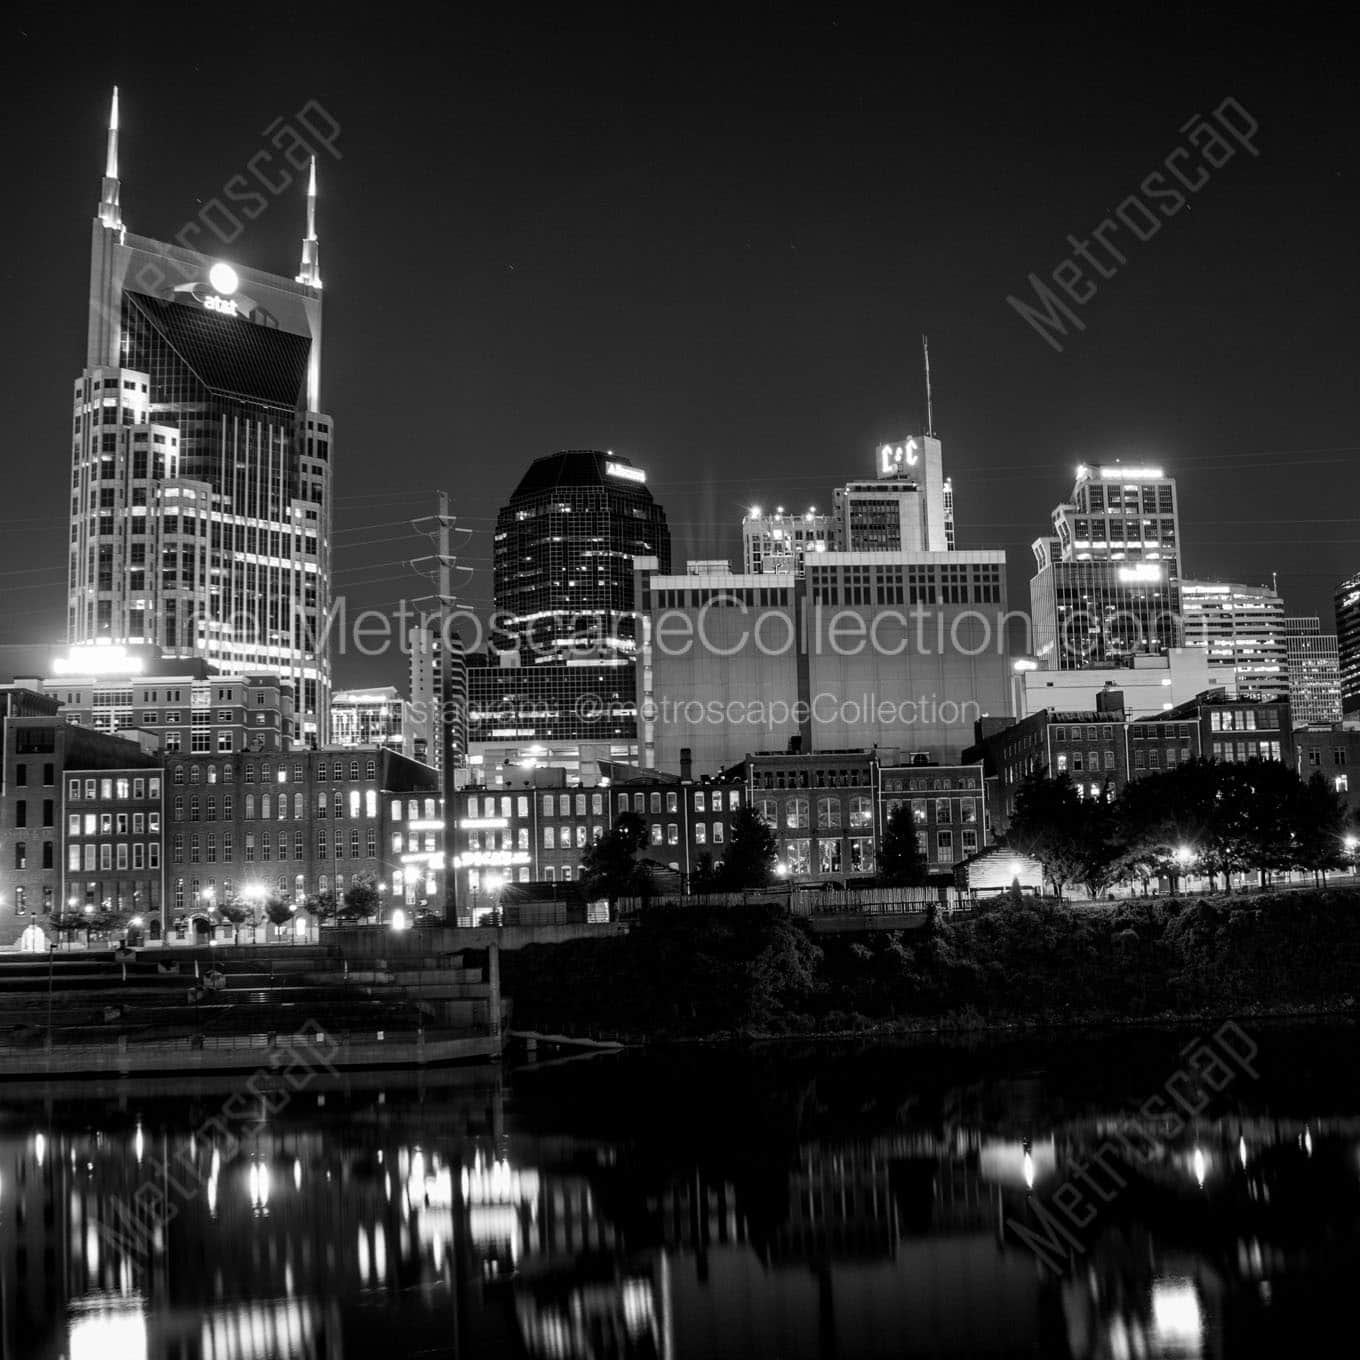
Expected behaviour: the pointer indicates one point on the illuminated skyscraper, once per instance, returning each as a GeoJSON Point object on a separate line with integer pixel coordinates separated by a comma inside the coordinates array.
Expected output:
{"type": "Point", "coordinates": [200, 504]}
{"type": "Point", "coordinates": [908, 507]}
{"type": "Point", "coordinates": [1347, 601]}
{"type": "Point", "coordinates": [1242, 626]}
{"type": "Point", "coordinates": [1107, 586]}
{"type": "Point", "coordinates": [564, 549]}
{"type": "Point", "coordinates": [1314, 671]}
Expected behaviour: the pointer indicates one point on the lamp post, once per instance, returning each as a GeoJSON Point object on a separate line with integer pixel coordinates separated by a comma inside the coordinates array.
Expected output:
{"type": "Point", "coordinates": [1185, 857]}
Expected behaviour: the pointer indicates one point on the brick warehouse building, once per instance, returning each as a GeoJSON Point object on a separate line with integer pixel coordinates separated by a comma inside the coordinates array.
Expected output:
{"type": "Point", "coordinates": [80, 820]}
{"type": "Point", "coordinates": [535, 828]}
{"type": "Point", "coordinates": [1100, 750]}
{"type": "Point", "coordinates": [829, 809]}
{"type": "Point", "coordinates": [301, 822]}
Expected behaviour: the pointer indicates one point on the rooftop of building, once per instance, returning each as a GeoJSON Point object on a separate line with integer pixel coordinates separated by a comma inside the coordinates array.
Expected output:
{"type": "Point", "coordinates": [580, 468]}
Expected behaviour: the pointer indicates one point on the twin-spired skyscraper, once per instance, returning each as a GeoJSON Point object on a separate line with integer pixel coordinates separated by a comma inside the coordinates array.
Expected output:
{"type": "Point", "coordinates": [200, 505]}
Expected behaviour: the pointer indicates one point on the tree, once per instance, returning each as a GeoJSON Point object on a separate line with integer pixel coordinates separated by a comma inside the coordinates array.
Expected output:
{"type": "Point", "coordinates": [900, 861]}
{"type": "Point", "coordinates": [1265, 799]}
{"type": "Point", "coordinates": [751, 853]}
{"type": "Point", "coordinates": [1049, 825]}
{"type": "Point", "coordinates": [610, 868]}
{"type": "Point", "coordinates": [279, 909]}
{"type": "Point", "coordinates": [362, 898]}
{"type": "Point", "coordinates": [235, 913]}
{"type": "Point", "coordinates": [322, 906]}
{"type": "Point", "coordinates": [1319, 826]}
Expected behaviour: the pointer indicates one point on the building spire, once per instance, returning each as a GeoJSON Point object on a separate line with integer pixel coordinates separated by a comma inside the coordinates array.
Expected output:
{"type": "Point", "coordinates": [110, 214]}
{"type": "Point", "coordinates": [310, 272]}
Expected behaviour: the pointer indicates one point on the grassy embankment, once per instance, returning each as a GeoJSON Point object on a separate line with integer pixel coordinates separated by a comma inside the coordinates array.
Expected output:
{"type": "Point", "coordinates": [712, 973]}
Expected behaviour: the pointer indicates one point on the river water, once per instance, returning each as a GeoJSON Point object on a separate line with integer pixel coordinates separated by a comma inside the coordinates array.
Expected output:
{"type": "Point", "coordinates": [1048, 1196]}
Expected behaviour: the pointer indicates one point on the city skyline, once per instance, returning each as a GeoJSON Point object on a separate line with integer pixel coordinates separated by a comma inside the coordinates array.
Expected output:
{"type": "Point", "coordinates": [1015, 417]}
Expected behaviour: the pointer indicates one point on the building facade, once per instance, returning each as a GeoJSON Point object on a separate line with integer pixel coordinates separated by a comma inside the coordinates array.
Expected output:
{"type": "Point", "coordinates": [1314, 661]}
{"type": "Point", "coordinates": [438, 713]}
{"type": "Point", "coordinates": [948, 809]}
{"type": "Point", "coordinates": [183, 708]}
{"type": "Point", "coordinates": [200, 499]}
{"type": "Point", "coordinates": [780, 542]}
{"type": "Point", "coordinates": [563, 556]}
{"type": "Point", "coordinates": [1332, 750]}
{"type": "Point", "coordinates": [1106, 586]}
{"type": "Point", "coordinates": [895, 649]}
{"type": "Point", "coordinates": [371, 717]}
{"type": "Point", "coordinates": [1242, 626]}
{"type": "Point", "coordinates": [80, 820]}
{"type": "Point", "coordinates": [1347, 605]}
{"type": "Point", "coordinates": [538, 828]}
{"type": "Point", "coordinates": [300, 823]}
{"type": "Point", "coordinates": [823, 807]}
{"type": "Point", "coordinates": [1150, 684]}
{"type": "Point", "coordinates": [907, 507]}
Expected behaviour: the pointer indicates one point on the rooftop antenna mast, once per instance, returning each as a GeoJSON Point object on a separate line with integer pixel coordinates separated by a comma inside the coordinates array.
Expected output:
{"type": "Point", "coordinates": [930, 409]}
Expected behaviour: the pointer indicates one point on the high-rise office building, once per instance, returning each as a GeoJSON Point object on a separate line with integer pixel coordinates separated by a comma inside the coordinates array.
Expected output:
{"type": "Point", "coordinates": [1241, 625]}
{"type": "Point", "coordinates": [563, 556]}
{"type": "Point", "coordinates": [557, 686]}
{"type": "Point", "coordinates": [1107, 583]}
{"type": "Point", "coordinates": [904, 508]}
{"type": "Point", "coordinates": [200, 504]}
{"type": "Point", "coordinates": [1347, 603]}
{"type": "Point", "coordinates": [1314, 663]}
{"type": "Point", "coordinates": [438, 714]}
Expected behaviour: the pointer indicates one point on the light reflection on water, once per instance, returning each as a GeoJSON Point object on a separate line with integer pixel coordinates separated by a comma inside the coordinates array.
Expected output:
{"type": "Point", "coordinates": [779, 1204]}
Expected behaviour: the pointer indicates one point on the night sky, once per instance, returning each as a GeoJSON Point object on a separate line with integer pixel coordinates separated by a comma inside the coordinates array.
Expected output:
{"type": "Point", "coordinates": [712, 244]}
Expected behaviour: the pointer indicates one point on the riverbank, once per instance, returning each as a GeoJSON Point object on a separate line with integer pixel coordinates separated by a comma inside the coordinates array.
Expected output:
{"type": "Point", "coordinates": [699, 974]}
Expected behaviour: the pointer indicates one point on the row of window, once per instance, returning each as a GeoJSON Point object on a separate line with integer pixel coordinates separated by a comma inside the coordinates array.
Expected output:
{"type": "Point", "coordinates": [264, 846]}
{"type": "Point", "coordinates": [119, 855]}
{"type": "Point", "coordinates": [49, 774]}
{"type": "Point", "coordinates": [831, 857]}
{"type": "Point", "coordinates": [112, 823]}
{"type": "Point", "coordinates": [1246, 750]}
{"type": "Point", "coordinates": [1243, 719]}
{"type": "Point", "coordinates": [943, 809]}
{"type": "Point", "coordinates": [265, 773]}
{"type": "Point", "coordinates": [49, 812]}
{"type": "Point", "coordinates": [361, 803]}
{"type": "Point", "coordinates": [797, 812]}
{"type": "Point", "coordinates": [807, 779]}
{"type": "Point", "coordinates": [118, 789]}
{"type": "Point", "coordinates": [577, 804]}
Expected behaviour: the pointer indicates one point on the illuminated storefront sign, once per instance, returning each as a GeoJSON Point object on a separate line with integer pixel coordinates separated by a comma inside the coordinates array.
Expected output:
{"type": "Point", "coordinates": [479, 858]}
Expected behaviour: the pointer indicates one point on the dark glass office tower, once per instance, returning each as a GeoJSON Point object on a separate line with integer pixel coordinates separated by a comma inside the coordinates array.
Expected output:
{"type": "Point", "coordinates": [200, 464]}
{"type": "Point", "coordinates": [564, 550]}
{"type": "Point", "coordinates": [1347, 603]}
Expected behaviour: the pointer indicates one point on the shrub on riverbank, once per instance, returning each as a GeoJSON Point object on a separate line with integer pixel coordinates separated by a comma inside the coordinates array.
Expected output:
{"type": "Point", "coordinates": [688, 973]}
